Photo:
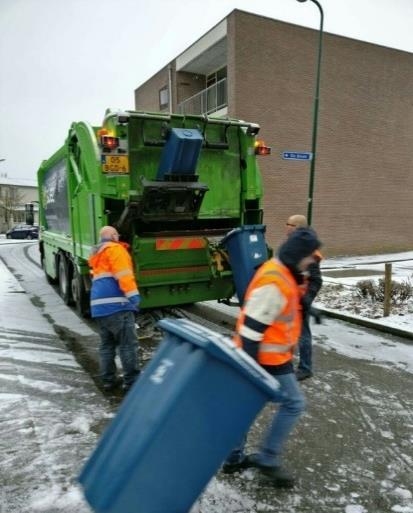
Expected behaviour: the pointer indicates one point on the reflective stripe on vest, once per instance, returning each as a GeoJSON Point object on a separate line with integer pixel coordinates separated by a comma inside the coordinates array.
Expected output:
{"type": "Point", "coordinates": [102, 275]}
{"type": "Point", "coordinates": [275, 348]}
{"type": "Point", "coordinates": [107, 300]}
{"type": "Point", "coordinates": [249, 333]}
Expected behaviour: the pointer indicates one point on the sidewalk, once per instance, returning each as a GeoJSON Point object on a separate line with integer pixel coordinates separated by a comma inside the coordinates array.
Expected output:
{"type": "Point", "coordinates": [51, 411]}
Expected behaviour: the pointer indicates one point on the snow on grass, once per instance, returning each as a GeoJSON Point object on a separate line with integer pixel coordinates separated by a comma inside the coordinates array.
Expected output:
{"type": "Point", "coordinates": [339, 292]}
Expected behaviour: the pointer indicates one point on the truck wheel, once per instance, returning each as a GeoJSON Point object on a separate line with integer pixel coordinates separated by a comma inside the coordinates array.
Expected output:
{"type": "Point", "coordinates": [80, 295]}
{"type": "Point", "coordinates": [64, 273]}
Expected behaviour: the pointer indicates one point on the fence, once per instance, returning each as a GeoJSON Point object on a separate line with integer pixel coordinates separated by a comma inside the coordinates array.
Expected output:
{"type": "Point", "coordinates": [210, 100]}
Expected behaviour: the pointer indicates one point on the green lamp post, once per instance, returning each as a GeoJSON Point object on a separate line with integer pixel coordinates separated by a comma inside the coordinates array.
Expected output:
{"type": "Point", "coordinates": [315, 115]}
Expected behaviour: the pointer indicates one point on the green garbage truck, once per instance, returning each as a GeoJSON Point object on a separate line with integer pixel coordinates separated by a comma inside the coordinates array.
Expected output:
{"type": "Point", "coordinates": [172, 185]}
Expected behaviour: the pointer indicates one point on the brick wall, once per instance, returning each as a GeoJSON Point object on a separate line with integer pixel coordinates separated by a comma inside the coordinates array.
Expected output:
{"type": "Point", "coordinates": [147, 95]}
{"type": "Point", "coordinates": [364, 168]}
{"type": "Point", "coordinates": [188, 84]}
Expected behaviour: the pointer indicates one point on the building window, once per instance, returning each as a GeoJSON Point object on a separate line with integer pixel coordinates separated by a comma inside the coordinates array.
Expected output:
{"type": "Point", "coordinates": [163, 98]}
{"type": "Point", "coordinates": [216, 91]}
{"type": "Point", "coordinates": [216, 76]}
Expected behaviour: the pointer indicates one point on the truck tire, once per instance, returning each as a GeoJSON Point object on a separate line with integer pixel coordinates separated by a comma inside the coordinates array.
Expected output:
{"type": "Point", "coordinates": [80, 294]}
{"type": "Point", "coordinates": [64, 271]}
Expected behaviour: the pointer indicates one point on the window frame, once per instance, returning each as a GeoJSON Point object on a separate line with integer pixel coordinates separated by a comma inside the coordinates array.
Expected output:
{"type": "Point", "coordinates": [164, 106]}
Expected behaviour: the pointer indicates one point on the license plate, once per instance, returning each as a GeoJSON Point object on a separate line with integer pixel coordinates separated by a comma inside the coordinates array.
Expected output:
{"type": "Point", "coordinates": [115, 164]}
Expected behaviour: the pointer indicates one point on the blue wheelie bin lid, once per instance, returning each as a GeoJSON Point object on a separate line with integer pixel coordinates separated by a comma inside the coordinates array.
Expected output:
{"type": "Point", "coordinates": [224, 349]}
{"type": "Point", "coordinates": [245, 228]}
{"type": "Point", "coordinates": [247, 251]}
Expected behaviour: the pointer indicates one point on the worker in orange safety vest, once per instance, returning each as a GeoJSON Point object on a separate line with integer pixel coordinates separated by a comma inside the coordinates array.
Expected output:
{"type": "Point", "coordinates": [114, 302]}
{"type": "Point", "coordinates": [268, 329]}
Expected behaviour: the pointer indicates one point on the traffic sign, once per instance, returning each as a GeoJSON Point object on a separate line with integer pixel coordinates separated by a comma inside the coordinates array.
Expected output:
{"type": "Point", "coordinates": [295, 155]}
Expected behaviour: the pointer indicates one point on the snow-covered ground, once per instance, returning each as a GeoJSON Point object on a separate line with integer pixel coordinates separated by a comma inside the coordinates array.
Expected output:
{"type": "Point", "coordinates": [352, 450]}
{"type": "Point", "coordinates": [51, 413]}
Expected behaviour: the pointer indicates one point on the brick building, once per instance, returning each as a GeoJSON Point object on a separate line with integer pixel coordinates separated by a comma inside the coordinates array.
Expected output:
{"type": "Point", "coordinates": [263, 70]}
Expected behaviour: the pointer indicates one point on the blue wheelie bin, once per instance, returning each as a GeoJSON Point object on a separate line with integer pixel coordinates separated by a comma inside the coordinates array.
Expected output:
{"type": "Point", "coordinates": [181, 152]}
{"type": "Point", "coordinates": [192, 405]}
{"type": "Point", "coordinates": [247, 250]}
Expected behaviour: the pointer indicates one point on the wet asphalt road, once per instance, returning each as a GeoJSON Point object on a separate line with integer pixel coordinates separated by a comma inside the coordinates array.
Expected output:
{"type": "Point", "coordinates": [351, 452]}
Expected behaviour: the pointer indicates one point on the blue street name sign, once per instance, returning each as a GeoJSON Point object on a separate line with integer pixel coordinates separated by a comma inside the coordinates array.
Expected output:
{"type": "Point", "coordinates": [295, 155]}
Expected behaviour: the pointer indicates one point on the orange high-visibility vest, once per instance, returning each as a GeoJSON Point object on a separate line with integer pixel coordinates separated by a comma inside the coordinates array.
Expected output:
{"type": "Point", "coordinates": [281, 337]}
{"type": "Point", "coordinates": [114, 287]}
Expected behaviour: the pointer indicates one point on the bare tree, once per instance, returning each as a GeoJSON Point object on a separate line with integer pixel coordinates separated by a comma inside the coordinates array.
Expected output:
{"type": "Point", "coordinates": [10, 199]}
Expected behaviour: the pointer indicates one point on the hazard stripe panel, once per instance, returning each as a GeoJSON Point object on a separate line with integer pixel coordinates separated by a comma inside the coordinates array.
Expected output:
{"type": "Point", "coordinates": [182, 243]}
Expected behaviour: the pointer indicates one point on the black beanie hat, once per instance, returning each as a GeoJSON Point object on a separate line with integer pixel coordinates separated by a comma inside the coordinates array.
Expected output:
{"type": "Point", "coordinates": [300, 244]}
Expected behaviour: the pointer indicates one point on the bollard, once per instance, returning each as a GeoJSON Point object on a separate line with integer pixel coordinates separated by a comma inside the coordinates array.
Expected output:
{"type": "Point", "coordinates": [387, 289]}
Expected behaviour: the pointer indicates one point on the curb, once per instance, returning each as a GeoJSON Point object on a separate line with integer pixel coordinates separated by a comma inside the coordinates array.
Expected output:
{"type": "Point", "coordinates": [215, 314]}
{"type": "Point", "coordinates": [219, 316]}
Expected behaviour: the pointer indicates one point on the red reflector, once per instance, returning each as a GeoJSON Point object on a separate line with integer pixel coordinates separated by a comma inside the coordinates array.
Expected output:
{"type": "Point", "coordinates": [109, 143]}
{"type": "Point", "coordinates": [263, 150]}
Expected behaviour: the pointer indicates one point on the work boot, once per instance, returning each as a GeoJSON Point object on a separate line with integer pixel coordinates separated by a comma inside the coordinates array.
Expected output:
{"type": "Point", "coordinates": [126, 387]}
{"type": "Point", "coordinates": [302, 374]}
{"type": "Point", "coordinates": [108, 386]}
{"type": "Point", "coordinates": [231, 468]}
{"type": "Point", "coordinates": [279, 477]}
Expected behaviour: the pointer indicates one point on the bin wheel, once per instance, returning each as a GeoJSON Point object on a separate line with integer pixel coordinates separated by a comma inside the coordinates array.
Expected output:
{"type": "Point", "coordinates": [80, 294]}
{"type": "Point", "coordinates": [64, 273]}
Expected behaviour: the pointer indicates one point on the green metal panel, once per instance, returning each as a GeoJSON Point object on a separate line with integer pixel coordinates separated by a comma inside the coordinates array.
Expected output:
{"type": "Point", "coordinates": [178, 294]}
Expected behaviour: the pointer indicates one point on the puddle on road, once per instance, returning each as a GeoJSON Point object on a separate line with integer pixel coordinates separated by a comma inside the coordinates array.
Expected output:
{"type": "Point", "coordinates": [349, 273]}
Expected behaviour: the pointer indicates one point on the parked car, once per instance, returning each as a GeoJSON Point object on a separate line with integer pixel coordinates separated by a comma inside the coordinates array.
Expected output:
{"type": "Point", "coordinates": [23, 231]}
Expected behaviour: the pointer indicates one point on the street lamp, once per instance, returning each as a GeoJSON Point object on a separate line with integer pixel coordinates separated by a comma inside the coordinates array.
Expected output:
{"type": "Point", "coordinates": [315, 114]}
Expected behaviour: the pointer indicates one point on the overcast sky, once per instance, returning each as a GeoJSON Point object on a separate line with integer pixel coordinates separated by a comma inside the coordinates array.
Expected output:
{"type": "Point", "coordinates": [68, 60]}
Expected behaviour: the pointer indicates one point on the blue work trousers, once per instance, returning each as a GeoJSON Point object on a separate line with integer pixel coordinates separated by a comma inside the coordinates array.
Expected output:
{"type": "Point", "coordinates": [305, 345]}
{"type": "Point", "coordinates": [118, 331]}
{"type": "Point", "coordinates": [291, 407]}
